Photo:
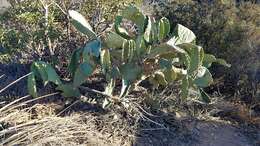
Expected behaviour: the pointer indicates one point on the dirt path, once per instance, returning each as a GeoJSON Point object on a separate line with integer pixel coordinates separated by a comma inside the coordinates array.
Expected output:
{"type": "Point", "coordinates": [202, 134]}
{"type": "Point", "coordinates": [216, 134]}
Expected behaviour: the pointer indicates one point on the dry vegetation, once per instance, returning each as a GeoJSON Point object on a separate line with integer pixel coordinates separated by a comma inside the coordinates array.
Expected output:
{"type": "Point", "coordinates": [27, 121]}
{"type": "Point", "coordinates": [24, 123]}
{"type": "Point", "coordinates": [150, 116]}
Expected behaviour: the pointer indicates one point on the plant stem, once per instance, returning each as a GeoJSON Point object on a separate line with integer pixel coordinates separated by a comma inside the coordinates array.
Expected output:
{"type": "Point", "coordinates": [111, 98]}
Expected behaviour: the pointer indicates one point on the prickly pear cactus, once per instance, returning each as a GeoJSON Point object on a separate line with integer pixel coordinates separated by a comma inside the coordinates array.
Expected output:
{"type": "Point", "coordinates": [146, 50]}
{"type": "Point", "coordinates": [157, 54]}
{"type": "Point", "coordinates": [82, 63]}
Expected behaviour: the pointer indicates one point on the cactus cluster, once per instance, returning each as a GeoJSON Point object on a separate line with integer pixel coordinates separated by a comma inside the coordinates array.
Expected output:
{"type": "Point", "coordinates": [154, 51]}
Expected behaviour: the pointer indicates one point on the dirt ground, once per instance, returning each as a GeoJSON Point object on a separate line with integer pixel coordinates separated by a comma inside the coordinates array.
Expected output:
{"type": "Point", "coordinates": [85, 123]}
{"type": "Point", "coordinates": [10, 73]}
{"type": "Point", "coordinates": [95, 128]}
{"type": "Point", "coordinates": [203, 133]}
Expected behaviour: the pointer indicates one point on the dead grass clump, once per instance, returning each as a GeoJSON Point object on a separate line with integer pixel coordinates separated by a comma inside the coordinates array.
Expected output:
{"type": "Point", "coordinates": [26, 126]}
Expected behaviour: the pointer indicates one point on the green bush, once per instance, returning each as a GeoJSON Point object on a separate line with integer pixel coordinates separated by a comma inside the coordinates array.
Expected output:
{"type": "Point", "coordinates": [25, 30]}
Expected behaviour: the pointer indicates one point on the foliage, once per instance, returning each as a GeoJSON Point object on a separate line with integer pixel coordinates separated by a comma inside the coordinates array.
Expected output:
{"type": "Point", "coordinates": [150, 51]}
{"type": "Point", "coordinates": [104, 9]}
{"type": "Point", "coordinates": [33, 28]}
{"type": "Point", "coordinates": [229, 30]}
{"type": "Point", "coordinates": [26, 29]}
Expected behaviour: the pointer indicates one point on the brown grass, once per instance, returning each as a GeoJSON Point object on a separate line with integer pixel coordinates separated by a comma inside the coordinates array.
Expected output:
{"type": "Point", "coordinates": [39, 125]}
{"type": "Point", "coordinates": [26, 122]}
{"type": "Point", "coordinates": [22, 123]}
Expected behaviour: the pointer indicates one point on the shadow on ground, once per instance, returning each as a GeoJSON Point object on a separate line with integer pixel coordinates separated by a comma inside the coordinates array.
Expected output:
{"type": "Point", "coordinates": [10, 73]}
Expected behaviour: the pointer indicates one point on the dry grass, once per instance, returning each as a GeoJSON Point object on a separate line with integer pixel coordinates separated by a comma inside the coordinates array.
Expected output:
{"type": "Point", "coordinates": [25, 122]}
{"type": "Point", "coordinates": [40, 124]}
{"type": "Point", "coordinates": [28, 126]}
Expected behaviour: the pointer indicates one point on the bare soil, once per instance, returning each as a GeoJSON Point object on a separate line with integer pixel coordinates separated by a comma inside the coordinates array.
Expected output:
{"type": "Point", "coordinates": [55, 122]}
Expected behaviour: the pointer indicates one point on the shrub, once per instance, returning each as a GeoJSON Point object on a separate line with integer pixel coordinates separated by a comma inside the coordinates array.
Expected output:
{"type": "Point", "coordinates": [30, 29]}
{"type": "Point", "coordinates": [24, 29]}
